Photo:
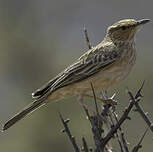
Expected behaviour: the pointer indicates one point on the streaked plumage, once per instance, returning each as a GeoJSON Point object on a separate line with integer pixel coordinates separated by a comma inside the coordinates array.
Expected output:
{"type": "Point", "coordinates": [104, 65]}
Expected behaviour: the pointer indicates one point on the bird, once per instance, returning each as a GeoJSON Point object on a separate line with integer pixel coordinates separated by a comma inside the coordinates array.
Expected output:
{"type": "Point", "coordinates": [103, 65]}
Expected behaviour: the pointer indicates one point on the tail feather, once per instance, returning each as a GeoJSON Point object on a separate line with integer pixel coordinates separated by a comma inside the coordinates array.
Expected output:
{"type": "Point", "coordinates": [27, 110]}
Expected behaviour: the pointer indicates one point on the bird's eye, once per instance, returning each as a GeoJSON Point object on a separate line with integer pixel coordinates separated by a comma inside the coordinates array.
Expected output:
{"type": "Point", "coordinates": [124, 27]}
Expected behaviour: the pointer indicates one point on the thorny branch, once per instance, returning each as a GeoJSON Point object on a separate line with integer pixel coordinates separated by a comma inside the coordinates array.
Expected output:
{"type": "Point", "coordinates": [67, 130]}
{"type": "Point", "coordinates": [144, 115]}
{"type": "Point", "coordinates": [97, 123]}
{"type": "Point", "coordinates": [139, 108]}
{"type": "Point", "coordinates": [118, 124]}
{"type": "Point", "coordinates": [121, 140]}
{"type": "Point", "coordinates": [138, 146]}
{"type": "Point", "coordinates": [85, 146]}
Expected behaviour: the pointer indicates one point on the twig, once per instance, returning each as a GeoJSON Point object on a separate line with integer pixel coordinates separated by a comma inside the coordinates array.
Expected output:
{"type": "Point", "coordinates": [97, 131]}
{"type": "Point", "coordinates": [121, 120]}
{"type": "Point", "coordinates": [138, 146]}
{"type": "Point", "coordinates": [144, 115]}
{"type": "Point", "coordinates": [139, 94]}
{"type": "Point", "coordinates": [87, 113]}
{"type": "Point", "coordinates": [96, 123]}
{"type": "Point", "coordinates": [124, 142]}
{"type": "Point", "coordinates": [140, 109]}
{"type": "Point", "coordinates": [93, 91]}
{"type": "Point", "coordinates": [67, 130]}
{"type": "Point", "coordinates": [116, 134]}
{"type": "Point", "coordinates": [120, 144]}
{"type": "Point", "coordinates": [85, 146]}
{"type": "Point", "coordinates": [87, 38]}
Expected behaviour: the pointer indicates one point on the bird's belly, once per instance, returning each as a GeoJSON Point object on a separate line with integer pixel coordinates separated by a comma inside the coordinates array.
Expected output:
{"type": "Point", "coordinates": [101, 81]}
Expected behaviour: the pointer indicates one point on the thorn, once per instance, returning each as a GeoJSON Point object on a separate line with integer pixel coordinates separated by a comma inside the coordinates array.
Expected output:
{"type": "Point", "coordinates": [85, 146]}
{"type": "Point", "coordinates": [151, 126]}
{"type": "Point", "coordinates": [90, 149]}
{"type": "Point", "coordinates": [87, 117]}
{"type": "Point", "coordinates": [67, 120]}
{"type": "Point", "coordinates": [63, 130]}
{"type": "Point", "coordinates": [138, 146]}
{"type": "Point", "coordinates": [73, 137]}
{"type": "Point", "coordinates": [126, 89]}
{"type": "Point", "coordinates": [82, 148]}
{"type": "Point", "coordinates": [135, 110]}
{"type": "Point", "coordinates": [61, 116]}
{"type": "Point", "coordinates": [112, 126]}
{"type": "Point", "coordinates": [87, 113]}
{"type": "Point", "coordinates": [2, 130]}
{"type": "Point", "coordinates": [116, 115]}
{"type": "Point", "coordinates": [147, 113]}
{"type": "Point", "coordinates": [138, 94]}
{"type": "Point", "coordinates": [128, 118]}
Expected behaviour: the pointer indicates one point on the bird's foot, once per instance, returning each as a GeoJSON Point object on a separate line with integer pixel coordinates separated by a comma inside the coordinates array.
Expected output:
{"type": "Point", "coordinates": [108, 100]}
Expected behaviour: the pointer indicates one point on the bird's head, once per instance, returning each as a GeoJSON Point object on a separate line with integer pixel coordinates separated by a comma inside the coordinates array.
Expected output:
{"type": "Point", "coordinates": [125, 30]}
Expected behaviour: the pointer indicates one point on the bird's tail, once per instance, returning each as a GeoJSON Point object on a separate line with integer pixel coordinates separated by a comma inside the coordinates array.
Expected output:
{"type": "Point", "coordinates": [27, 110]}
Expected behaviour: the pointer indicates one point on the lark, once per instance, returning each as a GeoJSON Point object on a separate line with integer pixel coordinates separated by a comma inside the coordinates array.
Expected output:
{"type": "Point", "coordinates": [103, 65]}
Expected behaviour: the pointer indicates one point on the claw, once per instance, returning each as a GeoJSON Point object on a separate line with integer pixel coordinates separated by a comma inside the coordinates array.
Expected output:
{"type": "Point", "coordinates": [108, 100]}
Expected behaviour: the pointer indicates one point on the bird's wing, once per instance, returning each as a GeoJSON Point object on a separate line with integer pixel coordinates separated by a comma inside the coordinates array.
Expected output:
{"type": "Point", "coordinates": [90, 63]}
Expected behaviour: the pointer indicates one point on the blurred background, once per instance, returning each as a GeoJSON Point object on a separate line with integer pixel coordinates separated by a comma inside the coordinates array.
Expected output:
{"type": "Point", "coordinates": [38, 39]}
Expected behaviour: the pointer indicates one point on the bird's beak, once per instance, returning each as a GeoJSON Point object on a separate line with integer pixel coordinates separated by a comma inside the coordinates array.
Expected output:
{"type": "Point", "coordinates": [142, 22]}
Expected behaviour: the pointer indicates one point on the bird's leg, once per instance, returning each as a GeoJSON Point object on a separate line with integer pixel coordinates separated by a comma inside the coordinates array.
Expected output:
{"type": "Point", "coordinates": [80, 100]}
{"type": "Point", "coordinates": [90, 96]}
{"type": "Point", "coordinates": [104, 100]}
